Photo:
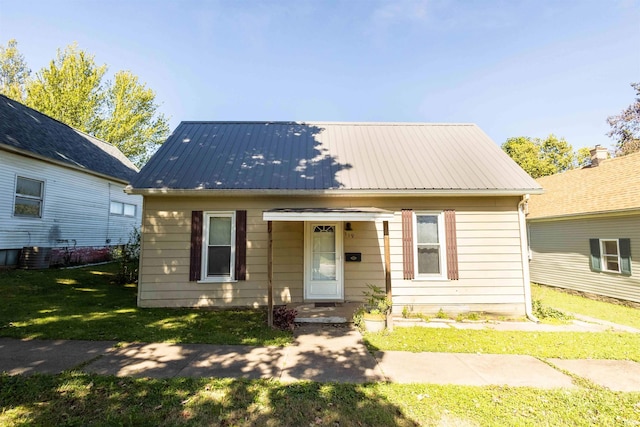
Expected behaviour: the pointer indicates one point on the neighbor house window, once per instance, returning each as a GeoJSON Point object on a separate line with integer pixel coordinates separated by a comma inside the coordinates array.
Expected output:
{"type": "Point", "coordinates": [29, 197]}
{"type": "Point", "coordinates": [429, 245]}
{"type": "Point", "coordinates": [611, 255]}
{"type": "Point", "coordinates": [120, 208]}
{"type": "Point", "coordinates": [219, 246]}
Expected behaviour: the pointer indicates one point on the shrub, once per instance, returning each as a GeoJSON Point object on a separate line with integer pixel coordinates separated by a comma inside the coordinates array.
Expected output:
{"type": "Point", "coordinates": [128, 258]}
{"type": "Point", "coordinates": [284, 318]}
{"type": "Point", "coordinates": [542, 311]}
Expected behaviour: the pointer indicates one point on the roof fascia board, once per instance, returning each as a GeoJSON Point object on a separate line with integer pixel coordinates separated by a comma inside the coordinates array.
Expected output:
{"type": "Point", "coordinates": [329, 193]}
{"type": "Point", "coordinates": [590, 215]}
{"type": "Point", "coordinates": [45, 159]}
{"type": "Point", "coordinates": [326, 216]}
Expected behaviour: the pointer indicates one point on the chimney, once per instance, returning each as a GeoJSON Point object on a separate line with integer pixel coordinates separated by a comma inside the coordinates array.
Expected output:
{"type": "Point", "coordinates": [598, 154]}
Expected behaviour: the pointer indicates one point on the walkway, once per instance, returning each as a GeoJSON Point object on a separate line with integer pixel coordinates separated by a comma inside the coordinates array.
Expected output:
{"type": "Point", "coordinates": [323, 353]}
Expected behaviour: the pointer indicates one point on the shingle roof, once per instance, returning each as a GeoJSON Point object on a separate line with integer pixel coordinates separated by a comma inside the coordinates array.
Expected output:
{"type": "Point", "coordinates": [331, 156]}
{"type": "Point", "coordinates": [612, 186]}
{"type": "Point", "coordinates": [29, 131]}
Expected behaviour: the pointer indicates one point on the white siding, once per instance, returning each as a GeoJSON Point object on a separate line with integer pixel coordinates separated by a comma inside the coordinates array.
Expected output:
{"type": "Point", "coordinates": [75, 207]}
{"type": "Point", "coordinates": [490, 262]}
{"type": "Point", "coordinates": [560, 255]}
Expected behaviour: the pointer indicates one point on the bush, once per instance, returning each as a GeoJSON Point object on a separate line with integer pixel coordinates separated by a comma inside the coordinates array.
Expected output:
{"type": "Point", "coordinates": [128, 257]}
{"type": "Point", "coordinates": [542, 311]}
{"type": "Point", "coordinates": [284, 318]}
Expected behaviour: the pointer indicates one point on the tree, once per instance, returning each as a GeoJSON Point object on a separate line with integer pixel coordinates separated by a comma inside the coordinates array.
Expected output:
{"type": "Point", "coordinates": [540, 157]}
{"type": "Point", "coordinates": [14, 72]}
{"type": "Point", "coordinates": [123, 112]}
{"type": "Point", "coordinates": [583, 157]}
{"type": "Point", "coordinates": [70, 89]}
{"type": "Point", "coordinates": [129, 120]}
{"type": "Point", "coordinates": [625, 127]}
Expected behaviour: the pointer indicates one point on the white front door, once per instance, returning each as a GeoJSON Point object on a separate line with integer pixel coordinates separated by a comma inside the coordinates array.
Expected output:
{"type": "Point", "coordinates": [323, 261]}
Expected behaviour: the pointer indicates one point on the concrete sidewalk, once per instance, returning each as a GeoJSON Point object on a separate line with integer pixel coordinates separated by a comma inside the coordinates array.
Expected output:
{"type": "Point", "coordinates": [322, 353]}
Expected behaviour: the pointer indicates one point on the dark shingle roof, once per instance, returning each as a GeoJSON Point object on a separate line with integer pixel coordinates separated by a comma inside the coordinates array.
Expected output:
{"type": "Point", "coordinates": [331, 156]}
{"type": "Point", "coordinates": [30, 131]}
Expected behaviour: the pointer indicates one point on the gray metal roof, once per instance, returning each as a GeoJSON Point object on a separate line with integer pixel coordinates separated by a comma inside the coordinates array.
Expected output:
{"type": "Point", "coordinates": [331, 156]}
{"type": "Point", "coordinates": [27, 131]}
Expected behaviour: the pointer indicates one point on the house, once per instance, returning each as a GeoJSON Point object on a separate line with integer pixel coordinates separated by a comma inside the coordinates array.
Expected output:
{"type": "Point", "coordinates": [61, 192]}
{"type": "Point", "coordinates": [262, 213]}
{"type": "Point", "coordinates": [585, 228]}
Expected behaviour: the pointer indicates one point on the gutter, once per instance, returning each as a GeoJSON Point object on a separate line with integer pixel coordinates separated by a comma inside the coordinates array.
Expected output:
{"type": "Point", "coordinates": [524, 250]}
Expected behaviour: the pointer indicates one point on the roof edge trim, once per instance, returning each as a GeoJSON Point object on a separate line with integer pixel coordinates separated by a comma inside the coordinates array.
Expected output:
{"type": "Point", "coordinates": [586, 215]}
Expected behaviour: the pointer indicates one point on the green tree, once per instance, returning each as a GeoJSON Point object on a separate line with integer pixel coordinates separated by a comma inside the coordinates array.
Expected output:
{"type": "Point", "coordinates": [14, 72]}
{"type": "Point", "coordinates": [583, 157]}
{"type": "Point", "coordinates": [129, 119]}
{"type": "Point", "coordinates": [70, 89]}
{"type": "Point", "coordinates": [625, 127]}
{"type": "Point", "coordinates": [540, 157]}
{"type": "Point", "coordinates": [122, 112]}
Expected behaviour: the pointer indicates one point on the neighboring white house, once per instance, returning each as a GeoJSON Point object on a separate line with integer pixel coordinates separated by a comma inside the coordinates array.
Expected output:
{"type": "Point", "coordinates": [585, 229]}
{"type": "Point", "coordinates": [61, 192]}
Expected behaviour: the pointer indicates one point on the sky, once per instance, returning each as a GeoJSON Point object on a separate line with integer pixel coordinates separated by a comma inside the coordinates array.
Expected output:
{"type": "Point", "coordinates": [515, 68]}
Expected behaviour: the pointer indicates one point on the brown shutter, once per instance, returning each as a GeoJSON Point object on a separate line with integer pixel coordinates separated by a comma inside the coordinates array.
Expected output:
{"type": "Point", "coordinates": [241, 245]}
{"type": "Point", "coordinates": [407, 244]}
{"type": "Point", "coordinates": [195, 262]}
{"type": "Point", "coordinates": [452, 247]}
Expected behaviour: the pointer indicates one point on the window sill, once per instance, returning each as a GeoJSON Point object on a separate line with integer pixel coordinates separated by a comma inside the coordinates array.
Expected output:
{"type": "Point", "coordinates": [213, 280]}
{"type": "Point", "coordinates": [430, 279]}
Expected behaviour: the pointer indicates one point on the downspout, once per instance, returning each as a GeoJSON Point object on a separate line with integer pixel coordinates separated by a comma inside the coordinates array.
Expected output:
{"type": "Point", "coordinates": [524, 251]}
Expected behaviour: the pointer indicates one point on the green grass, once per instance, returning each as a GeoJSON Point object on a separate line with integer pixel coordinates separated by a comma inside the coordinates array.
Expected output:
{"type": "Point", "coordinates": [73, 398]}
{"type": "Point", "coordinates": [86, 304]}
{"type": "Point", "coordinates": [565, 345]}
{"type": "Point", "coordinates": [566, 302]}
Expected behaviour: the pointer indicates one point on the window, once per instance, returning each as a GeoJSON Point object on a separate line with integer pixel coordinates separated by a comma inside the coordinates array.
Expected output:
{"type": "Point", "coordinates": [219, 246]}
{"type": "Point", "coordinates": [29, 197]}
{"type": "Point", "coordinates": [430, 260]}
{"type": "Point", "coordinates": [611, 255]}
{"type": "Point", "coordinates": [120, 208]}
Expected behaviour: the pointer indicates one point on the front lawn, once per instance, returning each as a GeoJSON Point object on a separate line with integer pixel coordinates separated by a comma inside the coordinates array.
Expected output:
{"type": "Point", "coordinates": [566, 302]}
{"type": "Point", "coordinates": [86, 304]}
{"type": "Point", "coordinates": [564, 345]}
{"type": "Point", "coordinates": [74, 398]}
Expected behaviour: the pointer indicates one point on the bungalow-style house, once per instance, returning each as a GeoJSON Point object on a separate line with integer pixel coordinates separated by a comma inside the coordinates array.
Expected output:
{"type": "Point", "coordinates": [584, 231]}
{"type": "Point", "coordinates": [61, 192]}
{"type": "Point", "coordinates": [261, 213]}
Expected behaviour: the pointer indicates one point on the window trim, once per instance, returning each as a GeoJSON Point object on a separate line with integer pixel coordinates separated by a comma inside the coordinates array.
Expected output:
{"type": "Point", "coordinates": [603, 256]}
{"type": "Point", "coordinates": [40, 199]}
{"type": "Point", "coordinates": [206, 216]}
{"type": "Point", "coordinates": [442, 243]}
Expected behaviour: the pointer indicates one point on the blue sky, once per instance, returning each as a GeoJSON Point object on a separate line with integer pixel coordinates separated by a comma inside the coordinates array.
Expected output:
{"type": "Point", "coordinates": [513, 67]}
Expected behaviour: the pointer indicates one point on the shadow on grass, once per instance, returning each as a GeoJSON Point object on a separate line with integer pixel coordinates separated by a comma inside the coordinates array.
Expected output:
{"type": "Point", "coordinates": [72, 398]}
{"type": "Point", "coordinates": [86, 304]}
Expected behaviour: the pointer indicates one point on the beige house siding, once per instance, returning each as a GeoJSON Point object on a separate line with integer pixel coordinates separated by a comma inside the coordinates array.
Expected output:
{"type": "Point", "coordinates": [488, 236]}
{"type": "Point", "coordinates": [560, 254]}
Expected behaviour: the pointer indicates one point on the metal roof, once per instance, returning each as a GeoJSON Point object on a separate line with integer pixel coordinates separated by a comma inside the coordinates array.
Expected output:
{"type": "Point", "coordinates": [612, 186]}
{"type": "Point", "coordinates": [315, 156]}
{"type": "Point", "coordinates": [28, 132]}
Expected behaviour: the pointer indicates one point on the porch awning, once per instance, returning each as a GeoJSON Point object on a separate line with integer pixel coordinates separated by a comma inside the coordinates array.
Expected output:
{"type": "Point", "coordinates": [327, 214]}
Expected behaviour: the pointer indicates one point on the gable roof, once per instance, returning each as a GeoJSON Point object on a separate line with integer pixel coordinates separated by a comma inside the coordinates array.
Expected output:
{"type": "Point", "coordinates": [302, 157]}
{"type": "Point", "coordinates": [612, 186]}
{"type": "Point", "coordinates": [26, 131]}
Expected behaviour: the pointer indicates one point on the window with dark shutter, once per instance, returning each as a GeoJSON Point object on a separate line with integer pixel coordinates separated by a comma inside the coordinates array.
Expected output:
{"type": "Point", "coordinates": [452, 245]}
{"type": "Point", "coordinates": [594, 247]}
{"type": "Point", "coordinates": [195, 256]}
{"type": "Point", "coordinates": [407, 244]}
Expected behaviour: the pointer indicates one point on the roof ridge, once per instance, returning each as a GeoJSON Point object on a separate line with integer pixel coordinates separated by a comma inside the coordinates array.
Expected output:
{"type": "Point", "coordinates": [293, 122]}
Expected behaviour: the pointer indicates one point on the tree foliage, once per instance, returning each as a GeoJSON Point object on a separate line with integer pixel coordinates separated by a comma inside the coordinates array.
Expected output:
{"type": "Point", "coordinates": [541, 157]}
{"type": "Point", "coordinates": [625, 127]}
{"type": "Point", "coordinates": [73, 90]}
{"type": "Point", "coordinates": [70, 89]}
{"type": "Point", "coordinates": [14, 72]}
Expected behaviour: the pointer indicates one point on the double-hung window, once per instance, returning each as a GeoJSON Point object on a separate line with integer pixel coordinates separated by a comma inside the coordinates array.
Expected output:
{"type": "Point", "coordinates": [218, 252]}
{"type": "Point", "coordinates": [610, 251]}
{"type": "Point", "coordinates": [611, 255]}
{"type": "Point", "coordinates": [29, 197]}
{"type": "Point", "coordinates": [429, 241]}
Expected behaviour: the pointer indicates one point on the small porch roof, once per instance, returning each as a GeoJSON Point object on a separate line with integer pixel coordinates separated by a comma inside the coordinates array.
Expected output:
{"type": "Point", "coordinates": [327, 214]}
